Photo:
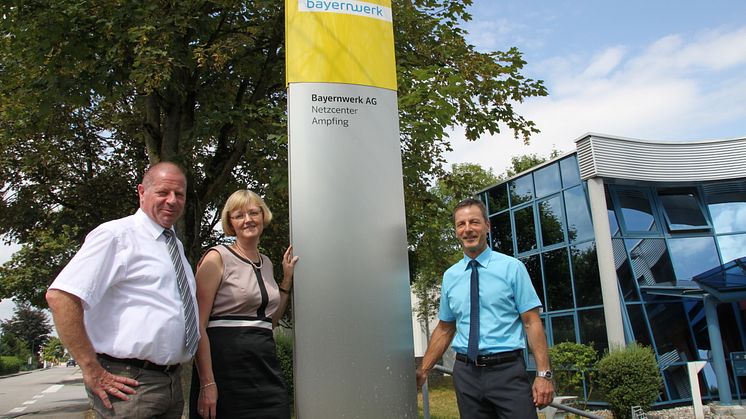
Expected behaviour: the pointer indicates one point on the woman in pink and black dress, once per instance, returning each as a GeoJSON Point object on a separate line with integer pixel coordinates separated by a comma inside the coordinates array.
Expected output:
{"type": "Point", "coordinates": [236, 371]}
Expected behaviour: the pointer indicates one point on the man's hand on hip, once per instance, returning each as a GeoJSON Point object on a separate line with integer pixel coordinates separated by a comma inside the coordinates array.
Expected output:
{"type": "Point", "coordinates": [103, 383]}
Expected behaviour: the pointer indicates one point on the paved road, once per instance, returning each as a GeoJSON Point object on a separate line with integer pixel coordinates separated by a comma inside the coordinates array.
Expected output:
{"type": "Point", "coordinates": [50, 393]}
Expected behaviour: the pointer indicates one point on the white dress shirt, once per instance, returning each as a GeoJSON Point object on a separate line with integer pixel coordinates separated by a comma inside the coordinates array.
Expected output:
{"type": "Point", "coordinates": [125, 278]}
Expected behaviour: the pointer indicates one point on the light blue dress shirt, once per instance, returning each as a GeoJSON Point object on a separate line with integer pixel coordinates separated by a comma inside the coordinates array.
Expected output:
{"type": "Point", "coordinates": [505, 292]}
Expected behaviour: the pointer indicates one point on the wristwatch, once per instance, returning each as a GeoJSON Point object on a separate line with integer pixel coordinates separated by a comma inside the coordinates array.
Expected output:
{"type": "Point", "coordinates": [544, 374]}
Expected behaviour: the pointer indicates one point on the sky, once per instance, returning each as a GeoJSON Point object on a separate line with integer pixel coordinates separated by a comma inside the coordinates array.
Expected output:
{"type": "Point", "coordinates": [6, 305]}
{"type": "Point", "coordinates": [649, 70]}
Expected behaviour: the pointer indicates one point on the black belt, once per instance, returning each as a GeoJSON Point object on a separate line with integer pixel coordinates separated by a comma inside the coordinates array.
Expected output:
{"type": "Point", "coordinates": [139, 363]}
{"type": "Point", "coordinates": [491, 359]}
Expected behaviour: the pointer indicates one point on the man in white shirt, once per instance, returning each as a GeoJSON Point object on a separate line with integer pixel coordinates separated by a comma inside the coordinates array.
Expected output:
{"type": "Point", "coordinates": [124, 306]}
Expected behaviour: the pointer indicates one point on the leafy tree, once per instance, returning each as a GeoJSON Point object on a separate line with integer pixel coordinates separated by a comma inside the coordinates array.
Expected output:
{"type": "Point", "coordinates": [436, 247]}
{"type": "Point", "coordinates": [92, 92]}
{"type": "Point", "coordinates": [519, 164]}
{"type": "Point", "coordinates": [53, 350]}
{"type": "Point", "coordinates": [30, 325]}
{"type": "Point", "coordinates": [11, 345]}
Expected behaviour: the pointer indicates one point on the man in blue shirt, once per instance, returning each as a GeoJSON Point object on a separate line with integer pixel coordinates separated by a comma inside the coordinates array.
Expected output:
{"type": "Point", "coordinates": [490, 372]}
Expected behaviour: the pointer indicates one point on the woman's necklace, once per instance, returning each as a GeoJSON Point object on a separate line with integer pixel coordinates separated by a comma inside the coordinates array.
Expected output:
{"type": "Point", "coordinates": [245, 256]}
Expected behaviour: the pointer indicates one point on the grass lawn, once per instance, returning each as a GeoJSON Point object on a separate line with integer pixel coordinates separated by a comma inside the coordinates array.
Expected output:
{"type": "Point", "coordinates": [442, 399]}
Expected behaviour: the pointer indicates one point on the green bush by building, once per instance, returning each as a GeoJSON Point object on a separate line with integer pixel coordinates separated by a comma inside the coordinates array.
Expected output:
{"type": "Point", "coordinates": [629, 377]}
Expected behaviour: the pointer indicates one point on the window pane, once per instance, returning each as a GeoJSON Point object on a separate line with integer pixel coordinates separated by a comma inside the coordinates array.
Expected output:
{"type": "Point", "coordinates": [671, 331]}
{"type": "Point", "coordinates": [732, 246]}
{"type": "Point", "coordinates": [651, 263]}
{"type": "Point", "coordinates": [585, 273]}
{"type": "Point", "coordinates": [551, 220]}
{"type": "Point", "coordinates": [502, 238]}
{"type": "Point", "coordinates": [534, 271]}
{"type": "Point", "coordinates": [547, 180]}
{"type": "Point", "coordinates": [570, 173]}
{"type": "Point", "coordinates": [525, 229]}
{"type": "Point", "coordinates": [593, 329]}
{"type": "Point", "coordinates": [683, 211]}
{"type": "Point", "coordinates": [579, 225]}
{"type": "Point", "coordinates": [677, 378]}
{"type": "Point", "coordinates": [692, 256]}
{"type": "Point", "coordinates": [557, 277]}
{"type": "Point", "coordinates": [563, 329]}
{"type": "Point", "coordinates": [695, 310]}
{"type": "Point", "coordinates": [636, 211]}
{"type": "Point", "coordinates": [521, 190]}
{"type": "Point", "coordinates": [498, 198]}
{"type": "Point", "coordinates": [639, 326]}
{"type": "Point", "coordinates": [613, 223]}
{"type": "Point", "coordinates": [624, 271]}
{"type": "Point", "coordinates": [728, 212]}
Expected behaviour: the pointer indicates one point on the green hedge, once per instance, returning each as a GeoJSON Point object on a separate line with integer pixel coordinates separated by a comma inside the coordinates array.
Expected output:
{"type": "Point", "coordinates": [629, 377]}
{"type": "Point", "coordinates": [285, 356]}
{"type": "Point", "coordinates": [9, 365]}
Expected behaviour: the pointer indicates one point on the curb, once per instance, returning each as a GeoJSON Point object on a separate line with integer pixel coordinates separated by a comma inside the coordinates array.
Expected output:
{"type": "Point", "coordinates": [16, 374]}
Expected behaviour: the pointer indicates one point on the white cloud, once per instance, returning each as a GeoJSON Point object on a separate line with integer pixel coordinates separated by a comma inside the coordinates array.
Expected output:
{"type": "Point", "coordinates": [714, 50]}
{"type": "Point", "coordinates": [673, 89]}
{"type": "Point", "coordinates": [604, 63]}
{"type": "Point", "coordinates": [490, 35]}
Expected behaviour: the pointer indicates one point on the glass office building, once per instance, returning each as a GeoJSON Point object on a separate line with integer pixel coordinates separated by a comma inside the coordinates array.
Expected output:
{"type": "Point", "coordinates": [629, 240]}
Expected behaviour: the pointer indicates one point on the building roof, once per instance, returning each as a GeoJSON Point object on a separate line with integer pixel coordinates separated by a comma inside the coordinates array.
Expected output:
{"type": "Point", "coordinates": [726, 282]}
{"type": "Point", "coordinates": [660, 161]}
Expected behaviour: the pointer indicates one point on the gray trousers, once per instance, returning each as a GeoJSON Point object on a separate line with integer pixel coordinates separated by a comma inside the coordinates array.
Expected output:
{"type": "Point", "coordinates": [498, 391]}
{"type": "Point", "coordinates": [158, 395]}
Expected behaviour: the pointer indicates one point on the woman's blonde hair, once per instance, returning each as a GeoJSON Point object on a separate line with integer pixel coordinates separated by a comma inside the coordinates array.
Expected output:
{"type": "Point", "coordinates": [242, 198]}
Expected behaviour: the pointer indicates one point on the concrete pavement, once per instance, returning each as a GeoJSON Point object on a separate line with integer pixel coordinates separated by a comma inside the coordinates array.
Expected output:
{"type": "Point", "coordinates": [51, 393]}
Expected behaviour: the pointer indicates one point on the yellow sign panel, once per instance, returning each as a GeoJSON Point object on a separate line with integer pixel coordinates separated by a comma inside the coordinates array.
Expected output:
{"type": "Point", "coordinates": [340, 41]}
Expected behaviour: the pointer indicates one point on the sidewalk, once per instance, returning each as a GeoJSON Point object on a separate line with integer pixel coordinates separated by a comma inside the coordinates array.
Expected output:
{"type": "Point", "coordinates": [78, 411]}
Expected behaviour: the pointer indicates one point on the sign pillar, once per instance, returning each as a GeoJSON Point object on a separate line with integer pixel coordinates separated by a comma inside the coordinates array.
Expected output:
{"type": "Point", "coordinates": [353, 348]}
{"type": "Point", "coordinates": [692, 368]}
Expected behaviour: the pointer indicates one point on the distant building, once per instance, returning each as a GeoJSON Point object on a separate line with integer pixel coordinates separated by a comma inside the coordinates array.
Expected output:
{"type": "Point", "coordinates": [614, 237]}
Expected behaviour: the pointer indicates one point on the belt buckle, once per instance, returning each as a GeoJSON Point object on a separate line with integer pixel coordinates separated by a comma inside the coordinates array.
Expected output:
{"type": "Point", "coordinates": [477, 364]}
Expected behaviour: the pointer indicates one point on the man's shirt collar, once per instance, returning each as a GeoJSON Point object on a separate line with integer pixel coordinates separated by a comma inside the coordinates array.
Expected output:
{"type": "Point", "coordinates": [483, 258]}
{"type": "Point", "coordinates": [152, 228]}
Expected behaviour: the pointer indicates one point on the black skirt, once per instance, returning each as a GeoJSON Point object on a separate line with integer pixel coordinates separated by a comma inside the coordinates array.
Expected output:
{"type": "Point", "coordinates": [247, 374]}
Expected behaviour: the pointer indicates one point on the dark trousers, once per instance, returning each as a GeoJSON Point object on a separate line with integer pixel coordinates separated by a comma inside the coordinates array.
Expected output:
{"type": "Point", "coordinates": [158, 395]}
{"type": "Point", "coordinates": [498, 391]}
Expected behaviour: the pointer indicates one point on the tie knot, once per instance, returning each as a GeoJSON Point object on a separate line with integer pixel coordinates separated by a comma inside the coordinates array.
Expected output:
{"type": "Point", "coordinates": [473, 263]}
{"type": "Point", "coordinates": [168, 233]}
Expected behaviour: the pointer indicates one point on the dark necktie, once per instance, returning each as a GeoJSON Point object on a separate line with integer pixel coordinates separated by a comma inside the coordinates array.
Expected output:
{"type": "Point", "coordinates": [190, 316]}
{"type": "Point", "coordinates": [473, 349]}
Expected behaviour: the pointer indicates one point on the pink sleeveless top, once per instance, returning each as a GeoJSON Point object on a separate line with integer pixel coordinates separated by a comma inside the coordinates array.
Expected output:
{"type": "Point", "coordinates": [246, 296]}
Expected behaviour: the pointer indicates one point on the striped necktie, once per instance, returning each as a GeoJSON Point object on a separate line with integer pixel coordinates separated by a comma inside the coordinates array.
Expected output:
{"type": "Point", "coordinates": [190, 314]}
{"type": "Point", "coordinates": [473, 349]}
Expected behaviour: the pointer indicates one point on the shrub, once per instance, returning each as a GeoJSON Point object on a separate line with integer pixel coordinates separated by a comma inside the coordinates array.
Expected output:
{"type": "Point", "coordinates": [285, 356]}
{"type": "Point", "coordinates": [571, 364]}
{"type": "Point", "coordinates": [629, 377]}
{"type": "Point", "coordinates": [9, 365]}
